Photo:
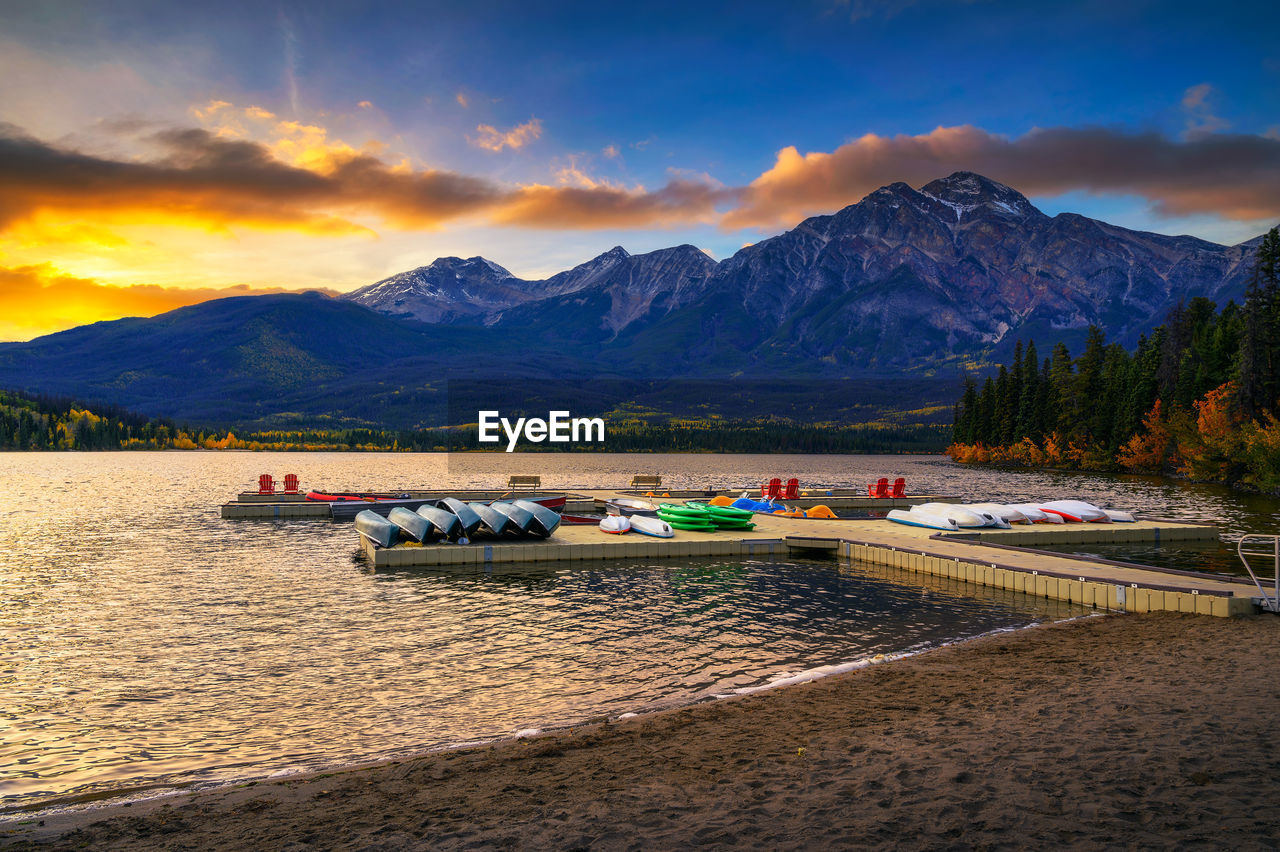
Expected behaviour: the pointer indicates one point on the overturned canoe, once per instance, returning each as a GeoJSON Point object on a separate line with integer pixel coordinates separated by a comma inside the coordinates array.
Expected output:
{"type": "Point", "coordinates": [443, 523]}
{"type": "Point", "coordinates": [1008, 514]}
{"type": "Point", "coordinates": [545, 521]}
{"type": "Point", "coordinates": [410, 523]}
{"type": "Point", "coordinates": [377, 529]}
{"type": "Point", "coordinates": [963, 516]}
{"type": "Point", "coordinates": [519, 520]}
{"type": "Point", "coordinates": [466, 515]}
{"type": "Point", "coordinates": [496, 522]}
{"type": "Point", "coordinates": [1076, 510]}
{"type": "Point", "coordinates": [1036, 515]}
{"type": "Point", "coordinates": [927, 520]}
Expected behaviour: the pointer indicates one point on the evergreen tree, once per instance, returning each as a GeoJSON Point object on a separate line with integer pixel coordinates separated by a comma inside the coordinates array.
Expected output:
{"type": "Point", "coordinates": [1027, 423]}
{"type": "Point", "coordinates": [1259, 362]}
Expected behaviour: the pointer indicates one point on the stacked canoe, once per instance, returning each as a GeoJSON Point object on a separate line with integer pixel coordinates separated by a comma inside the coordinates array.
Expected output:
{"type": "Point", "coordinates": [703, 517]}
{"type": "Point", "coordinates": [950, 516]}
{"type": "Point", "coordinates": [450, 519]}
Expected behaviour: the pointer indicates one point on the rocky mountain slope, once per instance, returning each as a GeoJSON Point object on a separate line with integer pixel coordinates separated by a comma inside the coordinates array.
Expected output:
{"type": "Point", "coordinates": [904, 279]}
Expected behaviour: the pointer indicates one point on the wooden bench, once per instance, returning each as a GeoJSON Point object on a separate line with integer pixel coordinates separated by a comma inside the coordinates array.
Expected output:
{"type": "Point", "coordinates": [645, 480]}
{"type": "Point", "coordinates": [524, 482]}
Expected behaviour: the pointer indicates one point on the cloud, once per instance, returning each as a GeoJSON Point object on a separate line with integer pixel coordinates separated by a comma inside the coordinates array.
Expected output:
{"type": "Point", "coordinates": [611, 152]}
{"type": "Point", "coordinates": [198, 178]}
{"type": "Point", "coordinates": [1201, 120]}
{"type": "Point", "coordinates": [463, 100]}
{"type": "Point", "coordinates": [365, 105]}
{"type": "Point", "coordinates": [679, 202]}
{"type": "Point", "coordinates": [39, 298]}
{"type": "Point", "coordinates": [492, 139]}
{"type": "Point", "coordinates": [1234, 176]}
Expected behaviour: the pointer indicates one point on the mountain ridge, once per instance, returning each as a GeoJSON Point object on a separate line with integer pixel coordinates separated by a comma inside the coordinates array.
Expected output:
{"type": "Point", "coordinates": [902, 286]}
{"type": "Point", "coordinates": [965, 262]}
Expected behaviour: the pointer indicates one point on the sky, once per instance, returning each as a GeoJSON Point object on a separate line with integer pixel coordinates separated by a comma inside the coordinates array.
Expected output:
{"type": "Point", "coordinates": [156, 154]}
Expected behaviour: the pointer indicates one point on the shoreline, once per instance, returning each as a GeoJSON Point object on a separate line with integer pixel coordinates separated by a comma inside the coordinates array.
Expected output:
{"type": "Point", "coordinates": [1117, 729]}
{"type": "Point", "coordinates": [116, 799]}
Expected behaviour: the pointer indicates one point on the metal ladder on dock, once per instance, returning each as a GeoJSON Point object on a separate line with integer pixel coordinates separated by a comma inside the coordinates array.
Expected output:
{"type": "Point", "coordinates": [1269, 602]}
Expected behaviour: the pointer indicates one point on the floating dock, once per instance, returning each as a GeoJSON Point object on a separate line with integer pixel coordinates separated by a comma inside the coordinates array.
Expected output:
{"type": "Point", "coordinates": [250, 505]}
{"type": "Point", "coordinates": [994, 558]}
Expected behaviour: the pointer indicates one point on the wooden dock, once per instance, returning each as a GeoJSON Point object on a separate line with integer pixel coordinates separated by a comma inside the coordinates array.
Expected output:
{"type": "Point", "coordinates": [253, 506]}
{"type": "Point", "coordinates": [996, 558]}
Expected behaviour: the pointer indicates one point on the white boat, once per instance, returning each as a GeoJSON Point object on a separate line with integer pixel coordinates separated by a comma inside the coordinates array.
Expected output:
{"type": "Point", "coordinates": [962, 515]}
{"type": "Point", "coordinates": [1076, 510]}
{"type": "Point", "coordinates": [631, 506]}
{"type": "Point", "coordinates": [1120, 517]}
{"type": "Point", "coordinates": [1036, 515]}
{"type": "Point", "coordinates": [615, 524]}
{"type": "Point", "coordinates": [1008, 514]}
{"type": "Point", "coordinates": [655, 527]}
{"type": "Point", "coordinates": [921, 519]}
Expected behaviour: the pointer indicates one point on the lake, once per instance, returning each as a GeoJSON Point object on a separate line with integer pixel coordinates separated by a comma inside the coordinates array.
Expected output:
{"type": "Point", "coordinates": [148, 643]}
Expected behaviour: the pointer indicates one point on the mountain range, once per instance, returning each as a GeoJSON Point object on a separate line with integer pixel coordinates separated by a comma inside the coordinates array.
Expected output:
{"type": "Point", "coordinates": [916, 285]}
{"type": "Point", "coordinates": [905, 279]}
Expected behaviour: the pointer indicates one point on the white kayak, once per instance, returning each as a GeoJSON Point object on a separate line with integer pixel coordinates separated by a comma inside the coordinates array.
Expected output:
{"type": "Point", "coordinates": [1120, 517]}
{"type": "Point", "coordinates": [921, 519]}
{"type": "Point", "coordinates": [1076, 510]}
{"type": "Point", "coordinates": [616, 524]}
{"type": "Point", "coordinates": [1008, 514]}
{"type": "Point", "coordinates": [962, 515]}
{"type": "Point", "coordinates": [655, 527]}
{"type": "Point", "coordinates": [1036, 515]}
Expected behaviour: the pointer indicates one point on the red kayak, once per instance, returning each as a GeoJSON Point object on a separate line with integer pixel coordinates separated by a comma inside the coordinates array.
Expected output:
{"type": "Point", "coordinates": [552, 501]}
{"type": "Point", "coordinates": [348, 497]}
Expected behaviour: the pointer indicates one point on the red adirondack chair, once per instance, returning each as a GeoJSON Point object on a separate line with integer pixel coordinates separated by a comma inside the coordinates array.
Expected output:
{"type": "Point", "coordinates": [899, 488]}
{"type": "Point", "coordinates": [291, 483]}
{"type": "Point", "coordinates": [880, 489]}
{"type": "Point", "coordinates": [773, 490]}
{"type": "Point", "coordinates": [793, 489]}
{"type": "Point", "coordinates": [266, 485]}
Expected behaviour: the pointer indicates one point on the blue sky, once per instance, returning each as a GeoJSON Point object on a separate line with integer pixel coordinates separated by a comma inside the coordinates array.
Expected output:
{"type": "Point", "coordinates": [577, 126]}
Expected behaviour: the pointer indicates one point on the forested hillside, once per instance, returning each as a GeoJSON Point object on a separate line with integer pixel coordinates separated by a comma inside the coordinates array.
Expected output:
{"type": "Point", "coordinates": [1198, 397]}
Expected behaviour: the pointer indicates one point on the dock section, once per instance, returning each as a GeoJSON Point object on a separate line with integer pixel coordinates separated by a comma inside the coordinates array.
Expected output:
{"type": "Point", "coordinates": [1096, 583]}
{"type": "Point", "coordinates": [250, 505]}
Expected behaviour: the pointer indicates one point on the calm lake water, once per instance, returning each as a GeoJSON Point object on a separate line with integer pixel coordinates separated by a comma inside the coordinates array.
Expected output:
{"type": "Point", "coordinates": [147, 642]}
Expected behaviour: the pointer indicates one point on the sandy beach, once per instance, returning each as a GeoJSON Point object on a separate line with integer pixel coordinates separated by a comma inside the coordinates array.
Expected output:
{"type": "Point", "coordinates": [1125, 731]}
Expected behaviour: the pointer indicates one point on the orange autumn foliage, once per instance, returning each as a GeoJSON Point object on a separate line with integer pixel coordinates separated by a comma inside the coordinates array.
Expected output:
{"type": "Point", "coordinates": [1217, 442]}
{"type": "Point", "coordinates": [1148, 452]}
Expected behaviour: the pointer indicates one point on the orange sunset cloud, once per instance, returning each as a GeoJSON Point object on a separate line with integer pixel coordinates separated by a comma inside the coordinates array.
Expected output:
{"type": "Point", "coordinates": [1235, 176]}
{"type": "Point", "coordinates": [204, 179]}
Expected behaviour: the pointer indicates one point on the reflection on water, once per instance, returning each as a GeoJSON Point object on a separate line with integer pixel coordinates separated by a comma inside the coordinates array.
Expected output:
{"type": "Point", "coordinates": [147, 640]}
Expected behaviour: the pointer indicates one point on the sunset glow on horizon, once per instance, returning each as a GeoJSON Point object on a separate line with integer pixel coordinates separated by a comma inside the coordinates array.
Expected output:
{"type": "Point", "coordinates": [152, 161]}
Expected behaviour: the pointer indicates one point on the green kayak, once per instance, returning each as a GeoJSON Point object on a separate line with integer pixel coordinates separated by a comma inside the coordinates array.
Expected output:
{"type": "Point", "coordinates": [686, 525]}
{"type": "Point", "coordinates": [687, 520]}
{"type": "Point", "coordinates": [685, 511]}
{"type": "Point", "coordinates": [725, 512]}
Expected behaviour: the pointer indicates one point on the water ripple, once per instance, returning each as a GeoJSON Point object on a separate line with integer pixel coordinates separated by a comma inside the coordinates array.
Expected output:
{"type": "Point", "coordinates": [146, 641]}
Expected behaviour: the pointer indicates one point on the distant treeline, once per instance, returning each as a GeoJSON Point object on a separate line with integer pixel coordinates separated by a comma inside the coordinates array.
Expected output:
{"type": "Point", "coordinates": [1197, 398]}
{"type": "Point", "coordinates": [747, 436]}
{"type": "Point", "coordinates": [33, 422]}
